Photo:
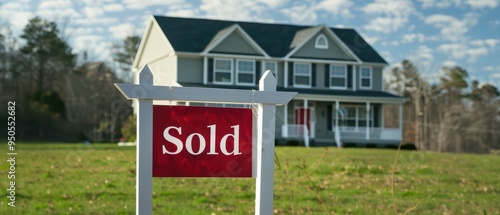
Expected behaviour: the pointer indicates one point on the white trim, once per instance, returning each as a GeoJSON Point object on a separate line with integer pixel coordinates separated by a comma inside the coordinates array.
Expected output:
{"type": "Point", "coordinates": [205, 70]}
{"type": "Point", "coordinates": [235, 28]}
{"type": "Point", "coordinates": [230, 71]}
{"type": "Point", "coordinates": [361, 99]}
{"type": "Point", "coordinates": [285, 74]}
{"type": "Point", "coordinates": [238, 72]}
{"type": "Point", "coordinates": [319, 38]}
{"type": "Point", "coordinates": [361, 78]}
{"type": "Point", "coordinates": [354, 87]}
{"type": "Point", "coordinates": [368, 118]}
{"type": "Point", "coordinates": [343, 45]}
{"type": "Point", "coordinates": [332, 76]}
{"type": "Point", "coordinates": [309, 75]}
{"type": "Point", "coordinates": [145, 39]}
{"type": "Point", "coordinates": [304, 41]}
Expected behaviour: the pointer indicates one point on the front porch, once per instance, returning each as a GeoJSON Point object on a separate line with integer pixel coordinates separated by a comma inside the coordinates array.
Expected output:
{"type": "Point", "coordinates": [335, 123]}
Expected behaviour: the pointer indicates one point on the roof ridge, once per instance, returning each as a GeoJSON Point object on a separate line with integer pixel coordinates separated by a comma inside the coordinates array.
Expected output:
{"type": "Point", "coordinates": [250, 22]}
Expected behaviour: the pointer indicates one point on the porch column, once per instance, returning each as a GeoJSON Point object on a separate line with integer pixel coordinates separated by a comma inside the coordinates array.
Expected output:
{"type": "Point", "coordinates": [354, 77]}
{"type": "Point", "coordinates": [337, 108]}
{"type": "Point", "coordinates": [205, 70]}
{"type": "Point", "coordinates": [367, 120]}
{"type": "Point", "coordinates": [285, 121]}
{"type": "Point", "coordinates": [306, 131]}
{"type": "Point", "coordinates": [337, 130]}
{"type": "Point", "coordinates": [285, 74]}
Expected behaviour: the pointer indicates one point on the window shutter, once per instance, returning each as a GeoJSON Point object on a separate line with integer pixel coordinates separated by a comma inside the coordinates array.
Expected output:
{"type": "Point", "coordinates": [329, 117]}
{"type": "Point", "coordinates": [327, 75]}
{"type": "Point", "coordinates": [349, 76]}
{"type": "Point", "coordinates": [257, 72]}
{"type": "Point", "coordinates": [290, 74]}
{"type": "Point", "coordinates": [313, 75]}
{"type": "Point", "coordinates": [210, 70]}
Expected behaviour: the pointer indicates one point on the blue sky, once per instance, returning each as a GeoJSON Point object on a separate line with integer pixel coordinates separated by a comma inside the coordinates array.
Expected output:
{"type": "Point", "coordinates": [430, 33]}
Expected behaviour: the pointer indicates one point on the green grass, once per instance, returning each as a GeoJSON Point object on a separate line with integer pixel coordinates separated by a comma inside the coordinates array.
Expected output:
{"type": "Point", "coordinates": [99, 179]}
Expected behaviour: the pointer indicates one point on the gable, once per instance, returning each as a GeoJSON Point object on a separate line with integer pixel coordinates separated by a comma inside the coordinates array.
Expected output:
{"type": "Point", "coordinates": [234, 44]}
{"type": "Point", "coordinates": [332, 52]}
{"type": "Point", "coordinates": [153, 46]}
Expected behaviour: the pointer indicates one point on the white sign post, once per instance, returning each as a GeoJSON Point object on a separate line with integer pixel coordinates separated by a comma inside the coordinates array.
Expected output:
{"type": "Point", "coordinates": [266, 98]}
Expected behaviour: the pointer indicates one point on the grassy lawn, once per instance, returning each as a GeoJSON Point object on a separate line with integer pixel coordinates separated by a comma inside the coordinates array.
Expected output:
{"type": "Point", "coordinates": [100, 179]}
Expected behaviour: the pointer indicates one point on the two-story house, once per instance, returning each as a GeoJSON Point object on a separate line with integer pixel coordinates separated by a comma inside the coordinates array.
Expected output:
{"type": "Point", "coordinates": [337, 74]}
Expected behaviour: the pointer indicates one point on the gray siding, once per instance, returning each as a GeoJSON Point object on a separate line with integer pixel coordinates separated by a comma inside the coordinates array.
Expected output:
{"type": "Point", "coordinates": [377, 75]}
{"type": "Point", "coordinates": [235, 43]}
{"type": "Point", "coordinates": [321, 121]}
{"type": "Point", "coordinates": [308, 50]}
{"type": "Point", "coordinates": [190, 70]}
{"type": "Point", "coordinates": [377, 78]}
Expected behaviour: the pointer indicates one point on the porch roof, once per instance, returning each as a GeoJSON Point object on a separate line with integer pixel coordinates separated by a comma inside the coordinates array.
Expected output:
{"type": "Point", "coordinates": [322, 94]}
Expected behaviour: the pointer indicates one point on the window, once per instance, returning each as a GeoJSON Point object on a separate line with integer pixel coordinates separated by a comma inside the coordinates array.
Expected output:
{"type": "Point", "coordinates": [338, 77]}
{"type": "Point", "coordinates": [302, 75]}
{"type": "Point", "coordinates": [355, 117]}
{"type": "Point", "coordinates": [245, 72]}
{"type": "Point", "coordinates": [321, 42]}
{"type": "Point", "coordinates": [223, 71]}
{"type": "Point", "coordinates": [366, 78]}
{"type": "Point", "coordinates": [273, 67]}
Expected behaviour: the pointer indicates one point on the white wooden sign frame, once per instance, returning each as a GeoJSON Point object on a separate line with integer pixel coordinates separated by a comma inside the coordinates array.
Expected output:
{"type": "Point", "coordinates": [266, 98]}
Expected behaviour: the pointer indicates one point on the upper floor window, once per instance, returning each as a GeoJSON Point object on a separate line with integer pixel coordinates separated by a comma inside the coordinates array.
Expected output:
{"type": "Point", "coordinates": [273, 67]}
{"type": "Point", "coordinates": [365, 78]}
{"type": "Point", "coordinates": [321, 42]}
{"type": "Point", "coordinates": [245, 72]}
{"type": "Point", "coordinates": [302, 75]}
{"type": "Point", "coordinates": [338, 77]}
{"type": "Point", "coordinates": [223, 71]}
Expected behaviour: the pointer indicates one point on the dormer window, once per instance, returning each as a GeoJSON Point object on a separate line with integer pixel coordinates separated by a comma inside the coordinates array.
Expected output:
{"type": "Point", "coordinates": [321, 42]}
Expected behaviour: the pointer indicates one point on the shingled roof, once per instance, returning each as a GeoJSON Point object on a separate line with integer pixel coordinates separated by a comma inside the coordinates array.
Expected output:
{"type": "Point", "coordinates": [193, 35]}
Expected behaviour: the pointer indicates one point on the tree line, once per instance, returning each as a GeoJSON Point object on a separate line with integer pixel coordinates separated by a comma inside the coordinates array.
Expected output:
{"type": "Point", "coordinates": [453, 115]}
{"type": "Point", "coordinates": [60, 95]}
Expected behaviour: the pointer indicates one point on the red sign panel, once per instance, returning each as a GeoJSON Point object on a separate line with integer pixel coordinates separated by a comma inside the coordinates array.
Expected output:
{"type": "Point", "coordinates": [190, 141]}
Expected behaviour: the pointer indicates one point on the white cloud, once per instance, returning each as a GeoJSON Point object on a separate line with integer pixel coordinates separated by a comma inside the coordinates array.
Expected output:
{"type": "Point", "coordinates": [460, 51]}
{"type": "Point", "coordinates": [182, 10]}
{"type": "Point", "coordinates": [387, 16]}
{"type": "Point", "coordinates": [307, 12]}
{"type": "Point", "coordinates": [451, 28]}
{"type": "Point", "coordinates": [96, 21]}
{"type": "Point", "coordinates": [303, 14]}
{"type": "Point", "coordinates": [489, 68]}
{"type": "Point", "coordinates": [113, 8]}
{"type": "Point", "coordinates": [57, 10]}
{"type": "Point", "coordinates": [492, 43]}
{"type": "Point", "coordinates": [235, 10]}
{"type": "Point", "coordinates": [409, 38]}
{"type": "Point", "coordinates": [16, 14]}
{"type": "Point", "coordinates": [478, 4]}
{"type": "Point", "coordinates": [450, 63]}
{"type": "Point", "coordinates": [423, 56]}
{"type": "Point", "coordinates": [92, 11]}
{"type": "Point", "coordinates": [141, 4]}
{"type": "Point", "coordinates": [440, 3]}
{"type": "Point", "coordinates": [121, 31]}
{"type": "Point", "coordinates": [336, 7]}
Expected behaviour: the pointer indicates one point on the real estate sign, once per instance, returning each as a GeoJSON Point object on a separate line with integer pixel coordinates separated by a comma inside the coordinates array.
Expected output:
{"type": "Point", "coordinates": [190, 141]}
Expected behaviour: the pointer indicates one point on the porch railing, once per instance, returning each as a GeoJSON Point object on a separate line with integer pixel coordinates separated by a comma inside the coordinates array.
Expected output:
{"type": "Point", "coordinates": [346, 133]}
{"type": "Point", "coordinates": [296, 131]}
{"type": "Point", "coordinates": [375, 133]}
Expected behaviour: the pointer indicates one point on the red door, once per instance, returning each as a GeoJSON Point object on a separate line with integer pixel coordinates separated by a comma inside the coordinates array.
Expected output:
{"type": "Point", "coordinates": [300, 119]}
